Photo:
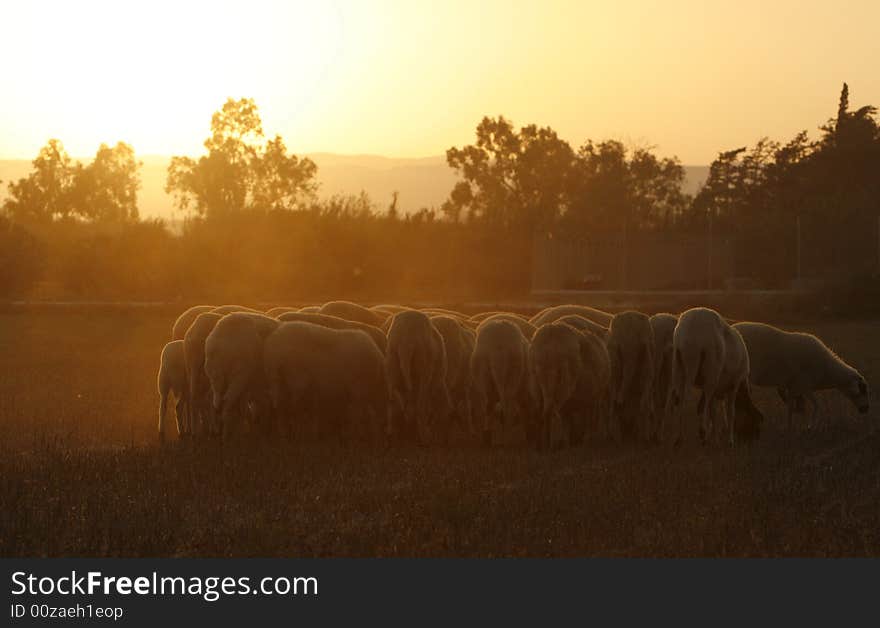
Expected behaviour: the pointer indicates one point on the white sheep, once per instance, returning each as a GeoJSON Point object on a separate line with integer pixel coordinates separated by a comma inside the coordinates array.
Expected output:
{"type": "Point", "coordinates": [234, 365]}
{"type": "Point", "coordinates": [415, 361]}
{"type": "Point", "coordinates": [199, 392]}
{"type": "Point", "coordinates": [528, 330]}
{"type": "Point", "coordinates": [172, 380]}
{"type": "Point", "coordinates": [458, 342]}
{"type": "Point", "coordinates": [798, 365]}
{"type": "Point", "coordinates": [591, 402]}
{"type": "Point", "coordinates": [230, 309]}
{"type": "Point", "coordinates": [479, 318]}
{"type": "Point", "coordinates": [353, 312]}
{"type": "Point", "coordinates": [631, 352]}
{"type": "Point", "coordinates": [555, 367]}
{"type": "Point", "coordinates": [551, 314]}
{"type": "Point", "coordinates": [499, 375]}
{"type": "Point", "coordinates": [334, 322]}
{"type": "Point", "coordinates": [275, 312]}
{"type": "Point", "coordinates": [663, 324]}
{"type": "Point", "coordinates": [178, 330]}
{"type": "Point", "coordinates": [310, 309]}
{"type": "Point", "coordinates": [710, 354]}
{"type": "Point", "coordinates": [336, 374]}
{"type": "Point", "coordinates": [585, 325]}
{"type": "Point", "coordinates": [389, 308]}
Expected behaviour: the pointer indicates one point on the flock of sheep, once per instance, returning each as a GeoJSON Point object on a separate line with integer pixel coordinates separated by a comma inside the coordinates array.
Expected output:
{"type": "Point", "coordinates": [394, 372]}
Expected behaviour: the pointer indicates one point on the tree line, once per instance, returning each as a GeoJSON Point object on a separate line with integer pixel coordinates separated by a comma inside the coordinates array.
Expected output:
{"type": "Point", "coordinates": [255, 226]}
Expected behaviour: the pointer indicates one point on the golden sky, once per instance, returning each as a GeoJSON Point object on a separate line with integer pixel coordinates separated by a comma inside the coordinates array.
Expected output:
{"type": "Point", "coordinates": [411, 78]}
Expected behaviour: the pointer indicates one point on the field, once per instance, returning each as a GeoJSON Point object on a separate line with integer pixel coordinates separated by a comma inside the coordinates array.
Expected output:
{"type": "Point", "coordinates": [81, 473]}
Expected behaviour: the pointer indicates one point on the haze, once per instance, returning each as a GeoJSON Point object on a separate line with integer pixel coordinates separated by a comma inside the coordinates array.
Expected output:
{"type": "Point", "coordinates": [403, 80]}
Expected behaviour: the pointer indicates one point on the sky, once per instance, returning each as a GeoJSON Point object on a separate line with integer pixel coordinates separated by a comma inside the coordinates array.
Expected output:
{"type": "Point", "coordinates": [412, 78]}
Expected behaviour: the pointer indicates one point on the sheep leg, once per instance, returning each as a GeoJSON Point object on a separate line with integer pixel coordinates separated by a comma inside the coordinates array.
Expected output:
{"type": "Point", "coordinates": [181, 409]}
{"type": "Point", "coordinates": [163, 407]}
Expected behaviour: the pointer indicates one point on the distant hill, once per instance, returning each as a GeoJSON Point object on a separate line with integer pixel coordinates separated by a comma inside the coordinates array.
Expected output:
{"type": "Point", "coordinates": [420, 182]}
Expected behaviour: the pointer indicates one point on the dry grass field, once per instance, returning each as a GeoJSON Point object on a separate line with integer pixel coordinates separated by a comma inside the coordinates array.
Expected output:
{"type": "Point", "coordinates": [81, 473]}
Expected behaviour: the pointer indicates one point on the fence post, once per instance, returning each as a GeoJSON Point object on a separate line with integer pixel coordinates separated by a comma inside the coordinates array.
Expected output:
{"type": "Point", "coordinates": [711, 245]}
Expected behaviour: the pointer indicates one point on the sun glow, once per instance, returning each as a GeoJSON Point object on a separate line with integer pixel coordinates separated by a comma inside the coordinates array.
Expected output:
{"type": "Point", "coordinates": [151, 73]}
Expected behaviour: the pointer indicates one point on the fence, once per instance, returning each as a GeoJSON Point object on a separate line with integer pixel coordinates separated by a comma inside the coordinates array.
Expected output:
{"type": "Point", "coordinates": [633, 262]}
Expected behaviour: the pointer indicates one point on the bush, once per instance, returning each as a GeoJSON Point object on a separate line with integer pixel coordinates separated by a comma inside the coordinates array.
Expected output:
{"type": "Point", "coordinates": [22, 259]}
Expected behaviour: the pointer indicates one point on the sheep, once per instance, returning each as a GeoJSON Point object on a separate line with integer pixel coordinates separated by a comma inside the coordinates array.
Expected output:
{"type": "Point", "coordinates": [334, 322]}
{"type": "Point", "coordinates": [550, 314]}
{"type": "Point", "coordinates": [199, 392]}
{"type": "Point", "coordinates": [178, 330]}
{"type": "Point", "coordinates": [275, 312]}
{"type": "Point", "coordinates": [798, 365]}
{"type": "Point", "coordinates": [310, 309]}
{"type": "Point", "coordinates": [484, 315]}
{"type": "Point", "coordinates": [585, 325]}
{"type": "Point", "coordinates": [338, 374]}
{"type": "Point", "coordinates": [528, 330]}
{"type": "Point", "coordinates": [172, 380]}
{"type": "Point", "coordinates": [710, 354]}
{"type": "Point", "coordinates": [387, 308]}
{"type": "Point", "coordinates": [589, 405]}
{"type": "Point", "coordinates": [415, 361]}
{"type": "Point", "coordinates": [233, 364]}
{"type": "Point", "coordinates": [435, 311]}
{"type": "Point", "coordinates": [499, 373]}
{"type": "Point", "coordinates": [353, 312]}
{"type": "Point", "coordinates": [663, 325]}
{"type": "Point", "coordinates": [631, 351]}
{"type": "Point", "coordinates": [458, 342]}
{"type": "Point", "coordinates": [229, 309]}
{"type": "Point", "coordinates": [554, 360]}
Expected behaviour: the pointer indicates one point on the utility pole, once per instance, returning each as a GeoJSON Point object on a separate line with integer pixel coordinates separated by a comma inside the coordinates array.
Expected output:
{"type": "Point", "coordinates": [799, 276]}
{"type": "Point", "coordinates": [711, 245]}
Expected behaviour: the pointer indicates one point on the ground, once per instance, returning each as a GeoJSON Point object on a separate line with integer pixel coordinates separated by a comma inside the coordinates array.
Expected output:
{"type": "Point", "coordinates": [81, 473]}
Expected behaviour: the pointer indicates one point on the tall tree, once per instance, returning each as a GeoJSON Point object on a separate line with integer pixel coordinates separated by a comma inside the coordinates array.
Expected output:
{"type": "Point", "coordinates": [511, 178]}
{"type": "Point", "coordinates": [240, 172]}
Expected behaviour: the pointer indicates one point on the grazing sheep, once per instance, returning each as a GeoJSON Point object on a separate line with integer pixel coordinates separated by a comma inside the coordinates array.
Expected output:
{"type": "Point", "coordinates": [435, 311]}
{"type": "Point", "coordinates": [663, 325]}
{"type": "Point", "coordinates": [528, 330]}
{"type": "Point", "coordinates": [710, 354]}
{"type": "Point", "coordinates": [555, 367]}
{"type": "Point", "coordinates": [499, 375]}
{"type": "Point", "coordinates": [172, 380]}
{"type": "Point", "coordinates": [798, 365]}
{"type": "Point", "coordinates": [415, 361]}
{"type": "Point", "coordinates": [458, 342]}
{"type": "Point", "coordinates": [479, 318]}
{"type": "Point", "coordinates": [585, 325]}
{"type": "Point", "coordinates": [556, 312]}
{"type": "Point", "coordinates": [590, 403]}
{"type": "Point", "coordinates": [353, 312]}
{"type": "Point", "coordinates": [275, 312]}
{"type": "Point", "coordinates": [334, 322]}
{"type": "Point", "coordinates": [185, 320]}
{"type": "Point", "coordinates": [199, 393]}
{"type": "Point", "coordinates": [631, 351]}
{"type": "Point", "coordinates": [229, 309]}
{"type": "Point", "coordinates": [336, 374]}
{"type": "Point", "coordinates": [234, 364]}
{"type": "Point", "coordinates": [387, 308]}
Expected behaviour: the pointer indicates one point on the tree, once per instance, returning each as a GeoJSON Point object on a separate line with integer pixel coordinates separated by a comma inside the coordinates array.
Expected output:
{"type": "Point", "coordinates": [58, 188]}
{"type": "Point", "coordinates": [106, 189]}
{"type": "Point", "coordinates": [46, 193]}
{"type": "Point", "coordinates": [510, 178]}
{"type": "Point", "coordinates": [613, 188]}
{"type": "Point", "coordinates": [239, 171]}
